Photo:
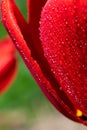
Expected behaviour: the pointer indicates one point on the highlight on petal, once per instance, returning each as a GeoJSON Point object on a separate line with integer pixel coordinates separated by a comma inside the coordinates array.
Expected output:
{"type": "Point", "coordinates": [41, 58]}
{"type": "Point", "coordinates": [8, 64]}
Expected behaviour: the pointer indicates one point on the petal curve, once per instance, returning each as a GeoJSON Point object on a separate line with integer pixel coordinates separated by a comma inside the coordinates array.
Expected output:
{"type": "Point", "coordinates": [63, 33]}
{"type": "Point", "coordinates": [8, 64]}
{"type": "Point", "coordinates": [33, 56]}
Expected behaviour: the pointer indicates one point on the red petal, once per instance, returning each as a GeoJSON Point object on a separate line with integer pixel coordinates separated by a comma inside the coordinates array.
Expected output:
{"type": "Point", "coordinates": [34, 10]}
{"type": "Point", "coordinates": [64, 39]}
{"type": "Point", "coordinates": [8, 64]}
{"type": "Point", "coordinates": [33, 56]}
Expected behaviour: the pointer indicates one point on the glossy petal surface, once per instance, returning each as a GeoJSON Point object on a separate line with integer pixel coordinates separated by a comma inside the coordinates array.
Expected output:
{"type": "Point", "coordinates": [64, 39]}
{"type": "Point", "coordinates": [8, 64]}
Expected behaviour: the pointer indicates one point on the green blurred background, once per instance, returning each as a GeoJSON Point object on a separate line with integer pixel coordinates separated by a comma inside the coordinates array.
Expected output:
{"type": "Point", "coordinates": [24, 93]}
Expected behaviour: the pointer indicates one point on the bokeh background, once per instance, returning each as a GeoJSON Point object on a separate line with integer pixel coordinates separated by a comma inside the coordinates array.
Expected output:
{"type": "Point", "coordinates": [23, 106]}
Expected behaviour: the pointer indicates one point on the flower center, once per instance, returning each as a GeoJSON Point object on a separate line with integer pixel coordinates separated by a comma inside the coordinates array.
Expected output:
{"type": "Point", "coordinates": [81, 115]}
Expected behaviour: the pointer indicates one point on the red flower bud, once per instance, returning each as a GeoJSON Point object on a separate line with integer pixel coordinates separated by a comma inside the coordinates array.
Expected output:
{"type": "Point", "coordinates": [58, 60]}
{"type": "Point", "coordinates": [8, 64]}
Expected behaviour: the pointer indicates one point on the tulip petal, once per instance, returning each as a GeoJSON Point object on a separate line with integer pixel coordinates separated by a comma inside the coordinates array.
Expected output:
{"type": "Point", "coordinates": [34, 10]}
{"type": "Point", "coordinates": [63, 33]}
{"type": "Point", "coordinates": [34, 58]}
{"type": "Point", "coordinates": [8, 64]}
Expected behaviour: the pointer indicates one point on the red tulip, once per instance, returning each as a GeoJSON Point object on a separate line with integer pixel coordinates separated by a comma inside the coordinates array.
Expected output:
{"type": "Point", "coordinates": [57, 61]}
{"type": "Point", "coordinates": [8, 64]}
